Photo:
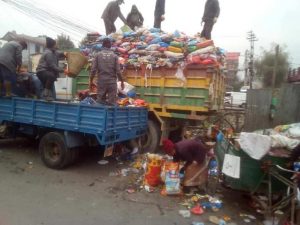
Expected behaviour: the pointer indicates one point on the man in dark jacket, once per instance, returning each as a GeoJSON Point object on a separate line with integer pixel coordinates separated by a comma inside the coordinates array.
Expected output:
{"type": "Point", "coordinates": [210, 17]}
{"type": "Point", "coordinates": [135, 18]}
{"type": "Point", "coordinates": [10, 64]}
{"type": "Point", "coordinates": [106, 66]}
{"type": "Point", "coordinates": [194, 153]}
{"type": "Point", "coordinates": [110, 15]}
{"type": "Point", "coordinates": [48, 70]}
{"type": "Point", "coordinates": [159, 13]}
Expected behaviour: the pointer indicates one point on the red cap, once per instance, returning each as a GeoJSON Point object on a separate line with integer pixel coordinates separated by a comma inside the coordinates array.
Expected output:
{"type": "Point", "coordinates": [168, 146]}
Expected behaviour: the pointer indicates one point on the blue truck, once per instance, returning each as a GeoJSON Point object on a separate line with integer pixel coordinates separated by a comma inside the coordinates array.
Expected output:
{"type": "Point", "coordinates": [62, 127]}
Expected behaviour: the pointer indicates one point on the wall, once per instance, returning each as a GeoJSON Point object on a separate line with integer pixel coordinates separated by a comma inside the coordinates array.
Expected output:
{"type": "Point", "coordinates": [258, 107]}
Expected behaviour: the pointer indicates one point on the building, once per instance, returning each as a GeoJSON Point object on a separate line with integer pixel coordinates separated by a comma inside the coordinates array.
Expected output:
{"type": "Point", "coordinates": [35, 45]}
{"type": "Point", "coordinates": [232, 64]}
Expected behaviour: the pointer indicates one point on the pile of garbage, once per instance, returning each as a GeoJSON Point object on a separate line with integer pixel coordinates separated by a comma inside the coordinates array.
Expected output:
{"type": "Point", "coordinates": [279, 141]}
{"type": "Point", "coordinates": [154, 48]}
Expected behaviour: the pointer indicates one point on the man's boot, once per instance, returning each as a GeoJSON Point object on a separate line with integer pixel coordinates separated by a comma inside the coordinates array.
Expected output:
{"type": "Point", "coordinates": [47, 95]}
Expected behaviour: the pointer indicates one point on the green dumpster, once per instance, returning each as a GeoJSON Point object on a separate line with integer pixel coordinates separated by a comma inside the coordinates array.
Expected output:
{"type": "Point", "coordinates": [253, 176]}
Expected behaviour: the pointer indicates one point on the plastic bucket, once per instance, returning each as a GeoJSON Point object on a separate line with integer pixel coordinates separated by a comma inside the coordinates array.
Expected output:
{"type": "Point", "coordinates": [76, 61]}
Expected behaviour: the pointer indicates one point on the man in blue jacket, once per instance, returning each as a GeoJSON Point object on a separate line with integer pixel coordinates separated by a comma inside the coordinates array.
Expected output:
{"type": "Point", "coordinates": [210, 17]}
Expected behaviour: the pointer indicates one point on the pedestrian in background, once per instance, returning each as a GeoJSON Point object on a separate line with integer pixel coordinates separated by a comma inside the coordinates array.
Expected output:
{"type": "Point", "coordinates": [10, 64]}
{"type": "Point", "coordinates": [135, 18]}
{"type": "Point", "coordinates": [106, 66]}
{"type": "Point", "coordinates": [110, 15]}
{"type": "Point", "coordinates": [210, 17]}
{"type": "Point", "coordinates": [159, 13]}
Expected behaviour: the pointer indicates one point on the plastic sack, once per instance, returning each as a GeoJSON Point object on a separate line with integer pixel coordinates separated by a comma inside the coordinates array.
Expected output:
{"type": "Point", "coordinates": [173, 55]}
{"type": "Point", "coordinates": [194, 59]}
{"type": "Point", "coordinates": [192, 48]}
{"type": "Point", "coordinates": [153, 170]}
{"type": "Point", "coordinates": [127, 88]}
{"type": "Point", "coordinates": [171, 178]}
{"type": "Point", "coordinates": [153, 47]}
{"type": "Point", "coordinates": [155, 41]}
{"type": "Point", "coordinates": [205, 44]}
{"type": "Point", "coordinates": [154, 30]}
{"type": "Point", "coordinates": [255, 145]}
{"type": "Point", "coordinates": [207, 62]}
{"type": "Point", "coordinates": [209, 49]}
{"type": "Point", "coordinates": [192, 42]}
{"type": "Point", "coordinates": [177, 44]}
{"type": "Point", "coordinates": [125, 29]}
{"type": "Point", "coordinates": [179, 73]}
{"type": "Point", "coordinates": [163, 44]}
{"type": "Point", "coordinates": [175, 49]}
{"type": "Point", "coordinates": [280, 141]}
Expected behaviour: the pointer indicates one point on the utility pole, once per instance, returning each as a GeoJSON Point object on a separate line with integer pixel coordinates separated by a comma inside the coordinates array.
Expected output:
{"type": "Point", "coordinates": [252, 38]}
{"type": "Point", "coordinates": [246, 67]}
{"type": "Point", "coordinates": [275, 67]}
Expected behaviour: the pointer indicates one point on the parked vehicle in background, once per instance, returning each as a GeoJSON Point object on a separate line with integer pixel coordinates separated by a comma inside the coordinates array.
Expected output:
{"type": "Point", "coordinates": [235, 99]}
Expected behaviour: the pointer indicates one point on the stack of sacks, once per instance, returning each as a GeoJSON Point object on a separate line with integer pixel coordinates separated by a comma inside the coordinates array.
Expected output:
{"type": "Point", "coordinates": [151, 46]}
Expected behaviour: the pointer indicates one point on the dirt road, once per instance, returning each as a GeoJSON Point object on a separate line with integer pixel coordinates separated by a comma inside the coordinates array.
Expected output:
{"type": "Point", "coordinates": [85, 194]}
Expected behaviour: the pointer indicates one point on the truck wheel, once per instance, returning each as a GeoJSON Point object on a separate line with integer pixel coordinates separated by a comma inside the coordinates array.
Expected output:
{"type": "Point", "coordinates": [54, 151]}
{"type": "Point", "coordinates": [150, 141]}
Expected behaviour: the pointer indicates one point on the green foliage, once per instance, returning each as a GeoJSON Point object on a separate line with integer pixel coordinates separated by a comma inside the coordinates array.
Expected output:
{"type": "Point", "coordinates": [265, 66]}
{"type": "Point", "coordinates": [64, 42]}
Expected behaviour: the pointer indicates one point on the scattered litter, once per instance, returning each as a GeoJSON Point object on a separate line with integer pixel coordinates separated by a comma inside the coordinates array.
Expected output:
{"type": "Point", "coordinates": [247, 220]}
{"type": "Point", "coordinates": [251, 217]}
{"type": "Point", "coordinates": [135, 151]}
{"type": "Point", "coordinates": [226, 218]}
{"type": "Point", "coordinates": [278, 212]}
{"type": "Point", "coordinates": [149, 189]}
{"type": "Point", "coordinates": [130, 191]}
{"type": "Point", "coordinates": [185, 213]}
{"type": "Point", "coordinates": [197, 223]}
{"type": "Point", "coordinates": [115, 174]}
{"type": "Point", "coordinates": [214, 219]}
{"type": "Point", "coordinates": [197, 210]}
{"type": "Point", "coordinates": [30, 163]}
{"type": "Point", "coordinates": [103, 162]}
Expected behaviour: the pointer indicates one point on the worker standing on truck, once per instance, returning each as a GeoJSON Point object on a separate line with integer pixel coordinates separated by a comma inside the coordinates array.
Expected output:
{"type": "Point", "coordinates": [135, 18]}
{"type": "Point", "coordinates": [210, 17]}
{"type": "Point", "coordinates": [110, 15]}
{"type": "Point", "coordinates": [194, 153]}
{"type": "Point", "coordinates": [159, 13]}
{"type": "Point", "coordinates": [106, 66]}
{"type": "Point", "coordinates": [10, 64]}
{"type": "Point", "coordinates": [48, 69]}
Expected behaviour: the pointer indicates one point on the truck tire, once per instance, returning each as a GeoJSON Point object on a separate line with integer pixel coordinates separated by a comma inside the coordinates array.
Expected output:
{"type": "Point", "coordinates": [150, 141]}
{"type": "Point", "coordinates": [54, 152]}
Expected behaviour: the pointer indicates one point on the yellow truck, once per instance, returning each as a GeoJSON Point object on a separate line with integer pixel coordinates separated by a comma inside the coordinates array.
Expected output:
{"type": "Point", "coordinates": [174, 103]}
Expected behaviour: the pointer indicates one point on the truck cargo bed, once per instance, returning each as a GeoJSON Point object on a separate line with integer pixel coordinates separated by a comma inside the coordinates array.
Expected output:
{"type": "Point", "coordinates": [108, 124]}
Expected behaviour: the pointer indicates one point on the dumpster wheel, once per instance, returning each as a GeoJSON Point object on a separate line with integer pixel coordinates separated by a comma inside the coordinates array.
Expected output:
{"type": "Point", "coordinates": [54, 152]}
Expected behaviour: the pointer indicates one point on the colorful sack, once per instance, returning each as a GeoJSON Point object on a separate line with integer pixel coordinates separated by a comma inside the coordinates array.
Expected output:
{"type": "Point", "coordinates": [175, 49]}
{"type": "Point", "coordinates": [171, 178]}
{"type": "Point", "coordinates": [152, 176]}
{"type": "Point", "coordinates": [205, 44]}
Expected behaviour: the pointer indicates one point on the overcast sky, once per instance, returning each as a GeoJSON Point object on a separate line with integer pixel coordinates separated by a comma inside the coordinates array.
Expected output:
{"type": "Point", "coordinates": [271, 20]}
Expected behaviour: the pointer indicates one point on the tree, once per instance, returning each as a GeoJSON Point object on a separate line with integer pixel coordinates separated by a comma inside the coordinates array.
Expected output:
{"type": "Point", "coordinates": [64, 42]}
{"type": "Point", "coordinates": [265, 66]}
